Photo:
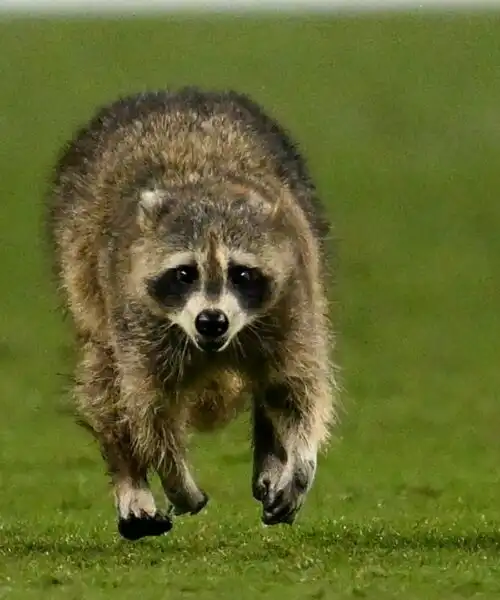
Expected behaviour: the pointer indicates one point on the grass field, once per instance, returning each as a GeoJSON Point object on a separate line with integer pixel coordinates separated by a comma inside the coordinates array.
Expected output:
{"type": "Point", "coordinates": [400, 119]}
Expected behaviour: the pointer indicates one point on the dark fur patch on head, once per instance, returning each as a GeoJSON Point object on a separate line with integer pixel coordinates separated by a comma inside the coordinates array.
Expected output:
{"type": "Point", "coordinates": [251, 286]}
{"type": "Point", "coordinates": [172, 287]}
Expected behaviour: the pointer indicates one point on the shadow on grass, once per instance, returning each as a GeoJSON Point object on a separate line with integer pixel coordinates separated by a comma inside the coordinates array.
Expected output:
{"type": "Point", "coordinates": [247, 545]}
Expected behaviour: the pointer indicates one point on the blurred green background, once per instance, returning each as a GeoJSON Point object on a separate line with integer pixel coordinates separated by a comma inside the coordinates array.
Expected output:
{"type": "Point", "coordinates": [399, 118]}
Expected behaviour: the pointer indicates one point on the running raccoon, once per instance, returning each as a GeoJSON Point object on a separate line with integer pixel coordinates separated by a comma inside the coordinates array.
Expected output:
{"type": "Point", "coordinates": [190, 249]}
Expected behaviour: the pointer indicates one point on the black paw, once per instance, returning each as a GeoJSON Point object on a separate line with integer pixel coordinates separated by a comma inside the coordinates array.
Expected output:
{"type": "Point", "coordinates": [134, 528]}
{"type": "Point", "coordinates": [180, 507]}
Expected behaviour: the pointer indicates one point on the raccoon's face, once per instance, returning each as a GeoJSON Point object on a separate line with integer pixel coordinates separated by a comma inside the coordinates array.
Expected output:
{"type": "Point", "coordinates": [211, 307]}
{"type": "Point", "coordinates": [218, 265]}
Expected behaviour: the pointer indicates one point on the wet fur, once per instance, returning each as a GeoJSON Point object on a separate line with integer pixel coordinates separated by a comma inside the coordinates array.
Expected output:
{"type": "Point", "coordinates": [141, 385]}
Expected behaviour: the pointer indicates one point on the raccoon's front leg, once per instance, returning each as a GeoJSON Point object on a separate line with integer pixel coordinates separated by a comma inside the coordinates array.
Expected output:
{"type": "Point", "coordinates": [287, 431]}
{"type": "Point", "coordinates": [97, 392]}
{"type": "Point", "coordinates": [138, 516]}
{"type": "Point", "coordinates": [158, 435]}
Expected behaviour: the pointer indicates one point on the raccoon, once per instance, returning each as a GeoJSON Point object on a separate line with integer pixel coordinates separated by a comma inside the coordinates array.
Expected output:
{"type": "Point", "coordinates": [190, 248]}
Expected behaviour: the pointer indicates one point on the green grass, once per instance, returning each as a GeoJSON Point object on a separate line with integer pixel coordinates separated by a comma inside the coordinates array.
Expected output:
{"type": "Point", "coordinates": [400, 119]}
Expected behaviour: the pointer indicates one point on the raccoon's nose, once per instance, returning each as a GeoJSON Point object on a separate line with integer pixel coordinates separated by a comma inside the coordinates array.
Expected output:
{"type": "Point", "coordinates": [211, 323]}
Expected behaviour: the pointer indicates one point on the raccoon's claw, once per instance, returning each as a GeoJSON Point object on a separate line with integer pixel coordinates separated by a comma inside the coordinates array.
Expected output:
{"type": "Point", "coordinates": [281, 502]}
{"type": "Point", "coordinates": [285, 515]}
{"type": "Point", "coordinates": [280, 507]}
{"type": "Point", "coordinates": [179, 509]}
{"type": "Point", "coordinates": [133, 528]}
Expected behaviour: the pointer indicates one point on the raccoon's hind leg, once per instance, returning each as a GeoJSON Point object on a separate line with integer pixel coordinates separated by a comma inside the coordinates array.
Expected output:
{"type": "Point", "coordinates": [171, 465]}
{"type": "Point", "coordinates": [218, 402]}
{"type": "Point", "coordinates": [291, 420]}
{"type": "Point", "coordinates": [97, 393]}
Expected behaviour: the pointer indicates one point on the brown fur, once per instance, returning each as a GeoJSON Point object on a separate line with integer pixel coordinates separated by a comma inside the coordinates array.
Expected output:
{"type": "Point", "coordinates": [141, 383]}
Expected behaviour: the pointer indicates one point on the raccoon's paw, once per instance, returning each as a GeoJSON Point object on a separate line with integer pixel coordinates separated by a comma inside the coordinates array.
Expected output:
{"type": "Point", "coordinates": [182, 505]}
{"type": "Point", "coordinates": [137, 513]}
{"type": "Point", "coordinates": [134, 527]}
{"type": "Point", "coordinates": [283, 493]}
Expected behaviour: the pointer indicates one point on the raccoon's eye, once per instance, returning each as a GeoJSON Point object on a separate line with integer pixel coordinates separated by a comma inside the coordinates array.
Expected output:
{"type": "Point", "coordinates": [173, 283]}
{"type": "Point", "coordinates": [251, 285]}
{"type": "Point", "coordinates": [243, 276]}
{"type": "Point", "coordinates": [186, 274]}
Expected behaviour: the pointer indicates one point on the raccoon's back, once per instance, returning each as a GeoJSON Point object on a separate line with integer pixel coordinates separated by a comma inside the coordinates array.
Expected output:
{"type": "Point", "coordinates": [131, 112]}
{"type": "Point", "coordinates": [128, 140]}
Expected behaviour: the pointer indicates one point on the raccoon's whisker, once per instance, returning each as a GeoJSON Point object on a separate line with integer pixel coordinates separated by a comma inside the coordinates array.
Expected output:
{"type": "Point", "coordinates": [257, 335]}
{"type": "Point", "coordinates": [263, 326]}
{"type": "Point", "coordinates": [263, 344]}
{"type": "Point", "coordinates": [177, 359]}
{"type": "Point", "coordinates": [238, 347]}
{"type": "Point", "coordinates": [169, 358]}
{"type": "Point", "coordinates": [180, 371]}
{"type": "Point", "coordinates": [257, 331]}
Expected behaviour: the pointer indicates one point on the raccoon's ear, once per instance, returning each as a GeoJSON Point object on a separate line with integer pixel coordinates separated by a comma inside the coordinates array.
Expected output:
{"type": "Point", "coordinates": [257, 199]}
{"type": "Point", "coordinates": [151, 202]}
{"type": "Point", "coordinates": [271, 208]}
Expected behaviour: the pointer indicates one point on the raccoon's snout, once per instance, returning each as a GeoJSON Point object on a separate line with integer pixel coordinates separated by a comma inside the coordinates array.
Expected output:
{"type": "Point", "coordinates": [211, 325]}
